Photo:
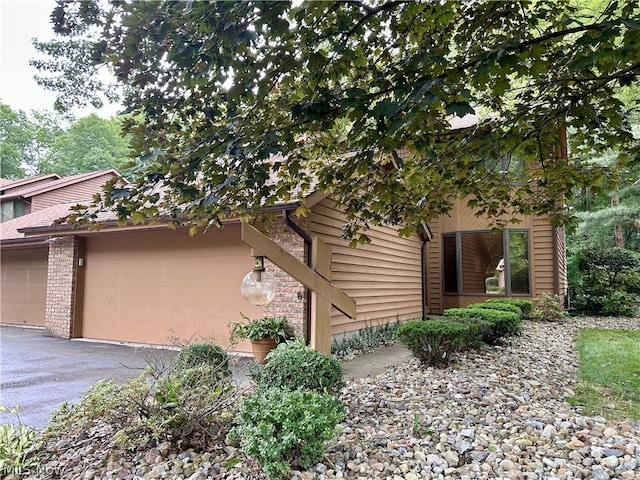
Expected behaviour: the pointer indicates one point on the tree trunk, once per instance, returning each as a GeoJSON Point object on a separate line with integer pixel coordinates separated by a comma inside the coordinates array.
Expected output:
{"type": "Point", "coordinates": [617, 229]}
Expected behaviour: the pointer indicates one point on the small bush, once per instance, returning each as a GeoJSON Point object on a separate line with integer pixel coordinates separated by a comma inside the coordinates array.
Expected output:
{"type": "Point", "coordinates": [435, 341]}
{"type": "Point", "coordinates": [286, 429]}
{"type": "Point", "coordinates": [619, 304]}
{"type": "Point", "coordinates": [294, 365]}
{"type": "Point", "coordinates": [19, 446]}
{"type": "Point", "coordinates": [197, 354]}
{"type": "Point", "coordinates": [523, 305]}
{"type": "Point", "coordinates": [548, 307]}
{"type": "Point", "coordinates": [501, 324]}
{"type": "Point", "coordinates": [505, 307]}
{"type": "Point", "coordinates": [606, 302]}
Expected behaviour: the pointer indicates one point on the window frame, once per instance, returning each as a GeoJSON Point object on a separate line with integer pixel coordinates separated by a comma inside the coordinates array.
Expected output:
{"type": "Point", "coordinates": [507, 261]}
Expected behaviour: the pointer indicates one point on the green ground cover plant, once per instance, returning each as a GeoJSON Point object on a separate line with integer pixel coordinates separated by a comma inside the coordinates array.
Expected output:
{"type": "Point", "coordinates": [19, 445]}
{"type": "Point", "coordinates": [609, 373]}
{"type": "Point", "coordinates": [365, 340]}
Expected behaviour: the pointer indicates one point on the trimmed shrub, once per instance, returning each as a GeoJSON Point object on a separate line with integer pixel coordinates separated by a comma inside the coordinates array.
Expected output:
{"type": "Point", "coordinates": [548, 307]}
{"type": "Point", "coordinates": [501, 324]}
{"type": "Point", "coordinates": [433, 342]}
{"type": "Point", "coordinates": [523, 305]}
{"type": "Point", "coordinates": [286, 429]}
{"type": "Point", "coordinates": [505, 307]}
{"type": "Point", "coordinates": [294, 365]}
{"type": "Point", "coordinates": [195, 355]}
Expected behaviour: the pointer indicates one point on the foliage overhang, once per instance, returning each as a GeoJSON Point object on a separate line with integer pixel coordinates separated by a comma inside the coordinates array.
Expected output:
{"type": "Point", "coordinates": [216, 89]}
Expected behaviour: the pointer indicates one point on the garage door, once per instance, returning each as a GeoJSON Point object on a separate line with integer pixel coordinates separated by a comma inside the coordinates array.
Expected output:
{"type": "Point", "coordinates": [155, 286]}
{"type": "Point", "coordinates": [24, 286]}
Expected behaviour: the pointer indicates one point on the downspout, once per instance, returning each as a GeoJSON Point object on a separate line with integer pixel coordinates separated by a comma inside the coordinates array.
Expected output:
{"type": "Point", "coordinates": [423, 270]}
{"type": "Point", "coordinates": [425, 236]}
{"type": "Point", "coordinates": [307, 242]}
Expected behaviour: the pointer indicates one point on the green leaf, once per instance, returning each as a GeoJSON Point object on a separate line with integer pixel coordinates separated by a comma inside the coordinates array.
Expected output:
{"type": "Point", "coordinates": [460, 109]}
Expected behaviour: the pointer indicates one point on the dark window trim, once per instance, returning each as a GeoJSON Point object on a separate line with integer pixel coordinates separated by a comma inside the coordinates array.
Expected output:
{"type": "Point", "coordinates": [505, 246]}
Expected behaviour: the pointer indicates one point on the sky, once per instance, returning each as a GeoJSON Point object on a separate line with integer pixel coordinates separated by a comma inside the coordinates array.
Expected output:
{"type": "Point", "coordinates": [20, 21]}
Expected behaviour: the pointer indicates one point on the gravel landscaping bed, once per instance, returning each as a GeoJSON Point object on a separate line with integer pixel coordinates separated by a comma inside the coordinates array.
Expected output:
{"type": "Point", "coordinates": [496, 413]}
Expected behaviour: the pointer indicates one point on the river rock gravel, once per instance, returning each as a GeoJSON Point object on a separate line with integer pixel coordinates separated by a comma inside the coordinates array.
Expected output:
{"type": "Point", "coordinates": [497, 413]}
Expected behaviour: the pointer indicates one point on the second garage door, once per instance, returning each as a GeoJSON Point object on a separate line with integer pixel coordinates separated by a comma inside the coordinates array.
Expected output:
{"type": "Point", "coordinates": [24, 285]}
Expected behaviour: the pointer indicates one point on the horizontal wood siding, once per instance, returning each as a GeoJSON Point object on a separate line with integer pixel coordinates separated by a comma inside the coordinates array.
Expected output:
{"type": "Point", "coordinates": [383, 277]}
{"type": "Point", "coordinates": [77, 192]}
{"type": "Point", "coordinates": [543, 263]}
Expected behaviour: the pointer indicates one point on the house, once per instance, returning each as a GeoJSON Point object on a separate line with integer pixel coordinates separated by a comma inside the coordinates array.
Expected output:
{"type": "Point", "coordinates": [152, 285]}
{"type": "Point", "coordinates": [27, 202]}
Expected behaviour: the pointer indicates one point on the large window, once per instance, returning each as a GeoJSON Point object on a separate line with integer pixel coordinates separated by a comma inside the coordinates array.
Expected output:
{"type": "Point", "coordinates": [486, 263]}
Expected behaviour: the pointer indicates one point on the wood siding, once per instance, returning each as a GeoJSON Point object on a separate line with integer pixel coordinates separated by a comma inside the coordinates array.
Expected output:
{"type": "Point", "coordinates": [77, 192]}
{"type": "Point", "coordinates": [23, 286]}
{"type": "Point", "coordinates": [383, 277]}
{"type": "Point", "coordinates": [544, 266]}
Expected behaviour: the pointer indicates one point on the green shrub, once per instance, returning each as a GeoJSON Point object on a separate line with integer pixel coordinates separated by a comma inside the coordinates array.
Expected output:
{"type": "Point", "coordinates": [601, 301]}
{"type": "Point", "coordinates": [197, 354]}
{"type": "Point", "coordinates": [501, 324]}
{"type": "Point", "coordinates": [294, 365]}
{"type": "Point", "coordinates": [505, 307]}
{"type": "Point", "coordinates": [523, 305]}
{"type": "Point", "coordinates": [435, 341]}
{"type": "Point", "coordinates": [19, 445]}
{"type": "Point", "coordinates": [286, 429]}
{"type": "Point", "coordinates": [153, 408]}
{"type": "Point", "coordinates": [619, 304]}
{"type": "Point", "coordinates": [548, 307]}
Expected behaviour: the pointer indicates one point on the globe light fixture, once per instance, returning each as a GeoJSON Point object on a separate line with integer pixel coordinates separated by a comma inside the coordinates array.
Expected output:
{"type": "Point", "coordinates": [258, 287]}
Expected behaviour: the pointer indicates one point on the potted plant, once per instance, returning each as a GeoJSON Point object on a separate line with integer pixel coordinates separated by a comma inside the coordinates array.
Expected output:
{"type": "Point", "coordinates": [264, 334]}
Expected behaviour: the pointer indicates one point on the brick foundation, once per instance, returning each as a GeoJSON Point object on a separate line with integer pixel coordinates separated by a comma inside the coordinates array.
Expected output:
{"type": "Point", "coordinates": [61, 283]}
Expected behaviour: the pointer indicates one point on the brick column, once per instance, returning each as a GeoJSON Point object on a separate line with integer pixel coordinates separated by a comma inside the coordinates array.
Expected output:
{"type": "Point", "coordinates": [61, 284]}
{"type": "Point", "coordinates": [290, 298]}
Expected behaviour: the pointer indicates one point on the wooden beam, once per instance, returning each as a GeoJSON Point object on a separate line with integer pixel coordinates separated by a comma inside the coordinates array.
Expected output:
{"type": "Point", "coordinates": [321, 307]}
{"type": "Point", "coordinates": [298, 270]}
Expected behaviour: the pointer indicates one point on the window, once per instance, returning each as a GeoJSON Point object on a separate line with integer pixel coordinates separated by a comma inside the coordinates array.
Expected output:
{"type": "Point", "coordinates": [14, 209]}
{"type": "Point", "coordinates": [486, 263]}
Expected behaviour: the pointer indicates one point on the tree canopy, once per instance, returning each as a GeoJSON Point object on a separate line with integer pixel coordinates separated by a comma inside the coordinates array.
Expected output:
{"type": "Point", "coordinates": [235, 105]}
{"type": "Point", "coordinates": [45, 142]}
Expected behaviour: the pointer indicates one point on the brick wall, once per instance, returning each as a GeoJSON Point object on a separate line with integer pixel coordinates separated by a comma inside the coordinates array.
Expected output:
{"type": "Point", "coordinates": [61, 282]}
{"type": "Point", "coordinates": [291, 294]}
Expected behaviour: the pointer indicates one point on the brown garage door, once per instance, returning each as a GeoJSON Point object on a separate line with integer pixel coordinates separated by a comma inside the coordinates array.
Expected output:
{"type": "Point", "coordinates": [24, 286]}
{"type": "Point", "coordinates": [149, 287]}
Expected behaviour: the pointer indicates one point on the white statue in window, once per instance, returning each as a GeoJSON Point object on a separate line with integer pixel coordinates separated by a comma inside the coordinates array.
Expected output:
{"type": "Point", "coordinates": [500, 274]}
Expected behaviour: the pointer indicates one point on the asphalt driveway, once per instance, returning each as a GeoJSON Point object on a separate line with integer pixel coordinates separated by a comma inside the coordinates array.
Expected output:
{"type": "Point", "coordinates": [38, 373]}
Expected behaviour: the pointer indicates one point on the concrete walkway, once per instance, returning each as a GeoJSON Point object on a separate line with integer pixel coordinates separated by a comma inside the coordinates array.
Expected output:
{"type": "Point", "coordinates": [38, 373]}
{"type": "Point", "coordinates": [375, 363]}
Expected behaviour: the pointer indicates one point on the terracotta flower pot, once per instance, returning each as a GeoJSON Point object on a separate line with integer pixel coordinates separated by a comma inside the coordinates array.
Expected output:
{"type": "Point", "coordinates": [261, 348]}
